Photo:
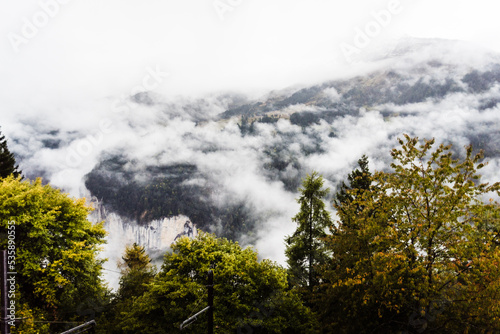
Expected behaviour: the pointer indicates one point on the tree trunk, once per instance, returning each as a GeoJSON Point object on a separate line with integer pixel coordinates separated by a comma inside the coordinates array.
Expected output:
{"type": "Point", "coordinates": [310, 244]}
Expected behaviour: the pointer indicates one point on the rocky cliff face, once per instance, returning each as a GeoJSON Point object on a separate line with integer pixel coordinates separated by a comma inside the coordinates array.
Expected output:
{"type": "Point", "coordinates": [156, 236]}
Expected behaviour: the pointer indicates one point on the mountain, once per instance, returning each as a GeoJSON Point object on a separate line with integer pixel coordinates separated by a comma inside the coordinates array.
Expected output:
{"type": "Point", "coordinates": [231, 164]}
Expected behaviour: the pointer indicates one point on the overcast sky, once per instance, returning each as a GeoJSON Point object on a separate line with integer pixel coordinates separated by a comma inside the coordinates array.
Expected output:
{"type": "Point", "coordinates": [58, 54]}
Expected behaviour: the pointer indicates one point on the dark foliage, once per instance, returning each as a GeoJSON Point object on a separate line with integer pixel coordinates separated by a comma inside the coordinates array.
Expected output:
{"type": "Point", "coordinates": [281, 165]}
{"type": "Point", "coordinates": [268, 119]}
{"type": "Point", "coordinates": [360, 179]}
{"type": "Point", "coordinates": [7, 161]}
{"type": "Point", "coordinates": [162, 191]}
{"type": "Point", "coordinates": [301, 97]}
{"type": "Point", "coordinates": [376, 89]}
{"type": "Point", "coordinates": [246, 127]}
{"type": "Point", "coordinates": [480, 82]}
{"type": "Point", "coordinates": [422, 91]}
{"type": "Point", "coordinates": [304, 118]}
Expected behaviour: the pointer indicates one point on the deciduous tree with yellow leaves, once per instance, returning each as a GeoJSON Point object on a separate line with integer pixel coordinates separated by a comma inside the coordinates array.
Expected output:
{"type": "Point", "coordinates": [56, 254]}
{"type": "Point", "coordinates": [421, 250]}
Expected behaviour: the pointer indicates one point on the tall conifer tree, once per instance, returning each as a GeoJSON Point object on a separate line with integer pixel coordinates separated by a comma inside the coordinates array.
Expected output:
{"type": "Point", "coordinates": [7, 161]}
{"type": "Point", "coordinates": [305, 247]}
{"type": "Point", "coordinates": [359, 179]}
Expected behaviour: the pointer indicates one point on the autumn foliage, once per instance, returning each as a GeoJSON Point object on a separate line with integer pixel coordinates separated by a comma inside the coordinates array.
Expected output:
{"type": "Point", "coordinates": [417, 250]}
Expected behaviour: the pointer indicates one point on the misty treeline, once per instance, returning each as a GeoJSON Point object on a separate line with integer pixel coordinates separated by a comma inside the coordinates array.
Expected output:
{"type": "Point", "coordinates": [281, 136]}
{"type": "Point", "coordinates": [414, 249]}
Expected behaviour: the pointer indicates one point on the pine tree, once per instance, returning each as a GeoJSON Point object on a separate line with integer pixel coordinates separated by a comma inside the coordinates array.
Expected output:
{"type": "Point", "coordinates": [7, 161]}
{"type": "Point", "coordinates": [305, 247]}
{"type": "Point", "coordinates": [358, 179]}
{"type": "Point", "coordinates": [349, 204]}
{"type": "Point", "coordinates": [246, 127]}
{"type": "Point", "coordinates": [136, 272]}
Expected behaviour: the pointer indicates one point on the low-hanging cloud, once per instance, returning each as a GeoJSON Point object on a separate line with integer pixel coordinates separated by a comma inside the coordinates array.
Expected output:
{"type": "Point", "coordinates": [260, 170]}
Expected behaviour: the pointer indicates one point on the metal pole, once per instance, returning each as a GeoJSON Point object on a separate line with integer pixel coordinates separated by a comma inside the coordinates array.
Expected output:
{"type": "Point", "coordinates": [189, 321]}
{"type": "Point", "coordinates": [5, 303]}
{"type": "Point", "coordinates": [210, 313]}
{"type": "Point", "coordinates": [91, 323]}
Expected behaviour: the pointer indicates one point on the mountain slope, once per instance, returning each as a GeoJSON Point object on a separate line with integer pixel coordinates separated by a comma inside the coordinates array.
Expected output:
{"type": "Point", "coordinates": [233, 164]}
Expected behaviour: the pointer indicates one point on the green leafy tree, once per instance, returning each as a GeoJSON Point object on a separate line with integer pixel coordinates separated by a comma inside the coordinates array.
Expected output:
{"type": "Point", "coordinates": [57, 264]}
{"type": "Point", "coordinates": [7, 161]}
{"type": "Point", "coordinates": [305, 248]}
{"type": "Point", "coordinates": [422, 252]}
{"type": "Point", "coordinates": [249, 296]}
